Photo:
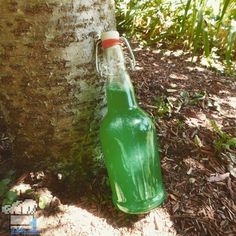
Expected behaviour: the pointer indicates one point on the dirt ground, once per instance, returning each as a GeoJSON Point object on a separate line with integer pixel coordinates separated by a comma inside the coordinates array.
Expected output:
{"type": "Point", "coordinates": [194, 109]}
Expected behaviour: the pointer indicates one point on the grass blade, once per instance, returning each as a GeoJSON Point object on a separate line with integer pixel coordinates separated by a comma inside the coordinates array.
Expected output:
{"type": "Point", "coordinates": [230, 43]}
{"type": "Point", "coordinates": [198, 32]}
{"type": "Point", "coordinates": [185, 16]}
{"type": "Point", "coordinates": [192, 25]}
{"type": "Point", "coordinates": [225, 6]}
{"type": "Point", "coordinates": [206, 43]}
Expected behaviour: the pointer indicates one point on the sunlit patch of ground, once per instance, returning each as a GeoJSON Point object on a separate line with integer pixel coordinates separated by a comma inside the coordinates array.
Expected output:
{"type": "Point", "coordinates": [74, 219]}
{"type": "Point", "coordinates": [78, 221]}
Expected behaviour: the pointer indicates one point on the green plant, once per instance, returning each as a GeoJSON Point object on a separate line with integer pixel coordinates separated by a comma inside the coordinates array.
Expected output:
{"type": "Point", "coordinates": [192, 99]}
{"type": "Point", "coordinates": [7, 196]}
{"type": "Point", "coordinates": [231, 38]}
{"type": "Point", "coordinates": [164, 106]}
{"type": "Point", "coordinates": [224, 140]}
{"type": "Point", "coordinates": [180, 123]}
{"type": "Point", "coordinates": [205, 27]}
{"type": "Point", "coordinates": [197, 98]}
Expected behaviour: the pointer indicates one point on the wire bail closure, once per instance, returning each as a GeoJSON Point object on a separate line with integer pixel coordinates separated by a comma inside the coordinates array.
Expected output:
{"type": "Point", "coordinates": [101, 68]}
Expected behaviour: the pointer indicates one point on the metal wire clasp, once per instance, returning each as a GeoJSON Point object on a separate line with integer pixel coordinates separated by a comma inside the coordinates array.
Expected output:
{"type": "Point", "coordinates": [132, 61]}
{"type": "Point", "coordinates": [101, 68]}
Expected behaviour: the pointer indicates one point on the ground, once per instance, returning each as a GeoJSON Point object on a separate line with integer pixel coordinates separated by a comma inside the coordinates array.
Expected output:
{"type": "Point", "coordinates": [194, 109]}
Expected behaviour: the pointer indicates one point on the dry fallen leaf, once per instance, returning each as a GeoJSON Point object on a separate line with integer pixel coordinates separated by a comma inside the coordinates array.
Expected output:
{"type": "Point", "coordinates": [190, 171]}
{"type": "Point", "coordinates": [232, 170]}
{"type": "Point", "coordinates": [217, 177]}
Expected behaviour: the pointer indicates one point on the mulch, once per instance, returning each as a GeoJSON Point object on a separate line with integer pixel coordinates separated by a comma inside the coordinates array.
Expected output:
{"type": "Point", "coordinates": [197, 206]}
{"type": "Point", "coordinates": [183, 99]}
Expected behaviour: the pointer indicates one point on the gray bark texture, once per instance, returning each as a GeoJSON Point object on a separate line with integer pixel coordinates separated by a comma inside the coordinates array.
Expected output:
{"type": "Point", "coordinates": [50, 96]}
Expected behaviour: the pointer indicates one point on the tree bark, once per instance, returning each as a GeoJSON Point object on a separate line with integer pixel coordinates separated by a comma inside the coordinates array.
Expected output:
{"type": "Point", "coordinates": [50, 96]}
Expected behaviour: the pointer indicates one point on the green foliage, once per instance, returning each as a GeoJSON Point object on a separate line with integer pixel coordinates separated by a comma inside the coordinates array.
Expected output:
{"type": "Point", "coordinates": [204, 27]}
{"type": "Point", "coordinates": [164, 106]}
{"type": "Point", "coordinates": [3, 185]}
{"type": "Point", "coordinates": [7, 196]}
{"type": "Point", "coordinates": [42, 203]}
{"type": "Point", "coordinates": [192, 99]}
{"type": "Point", "coordinates": [224, 141]}
{"type": "Point", "coordinates": [231, 38]}
{"type": "Point", "coordinates": [180, 124]}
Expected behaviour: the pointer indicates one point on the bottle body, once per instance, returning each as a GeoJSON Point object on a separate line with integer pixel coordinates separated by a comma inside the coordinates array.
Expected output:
{"type": "Point", "coordinates": [129, 141]}
{"type": "Point", "coordinates": [129, 145]}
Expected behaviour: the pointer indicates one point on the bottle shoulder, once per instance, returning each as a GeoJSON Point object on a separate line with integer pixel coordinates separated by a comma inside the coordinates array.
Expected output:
{"type": "Point", "coordinates": [134, 117]}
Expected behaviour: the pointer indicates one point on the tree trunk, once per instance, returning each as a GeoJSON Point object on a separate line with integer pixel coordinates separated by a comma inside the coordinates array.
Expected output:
{"type": "Point", "coordinates": [50, 96]}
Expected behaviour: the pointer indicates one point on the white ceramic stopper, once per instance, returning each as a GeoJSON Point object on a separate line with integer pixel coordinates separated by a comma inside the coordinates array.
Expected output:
{"type": "Point", "coordinates": [110, 35]}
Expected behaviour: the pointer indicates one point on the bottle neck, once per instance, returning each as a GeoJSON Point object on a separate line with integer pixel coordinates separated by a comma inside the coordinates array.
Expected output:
{"type": "Point", "coordinates": [120, 93]}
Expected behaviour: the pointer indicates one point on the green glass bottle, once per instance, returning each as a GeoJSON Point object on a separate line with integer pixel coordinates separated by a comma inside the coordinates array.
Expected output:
{"type": "Point", "coordinates": [128, 138]}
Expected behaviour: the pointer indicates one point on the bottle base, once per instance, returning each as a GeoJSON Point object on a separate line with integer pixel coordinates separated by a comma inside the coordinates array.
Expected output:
{"type": "Point", "coordinates": [141, 207]}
